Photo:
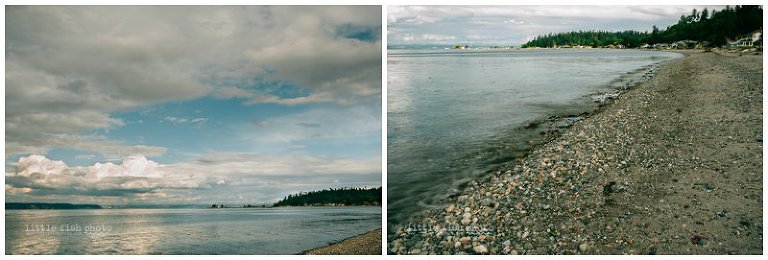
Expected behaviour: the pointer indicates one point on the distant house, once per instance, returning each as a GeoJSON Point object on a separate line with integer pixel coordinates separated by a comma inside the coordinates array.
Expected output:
{"type": "Point", "coordinates": [702, 45]}
{"type": "Point", "coordinates": [662, 46]}
{"type": "Point", "coordinates": [757, 38]}
{"type": "Point", "coordinates": [757, 35]}
{"type": "Point", "coordinates": [752, 39]}
{"type": "Point", "coordinates": [743, 42]}
{"type": "Point", "coordinates": [684, 44]}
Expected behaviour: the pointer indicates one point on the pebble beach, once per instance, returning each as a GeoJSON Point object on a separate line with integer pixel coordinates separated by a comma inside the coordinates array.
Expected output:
{"type": "Point", "coordinates": [368, 243]}
{"type": "Point", "coordinates": [671, 165]}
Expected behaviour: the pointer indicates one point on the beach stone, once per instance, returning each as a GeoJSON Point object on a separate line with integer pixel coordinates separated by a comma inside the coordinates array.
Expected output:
{"type": "Point", "coordinates": [450, 208]}
{"type": "Point", "coordinates": [465, 240]}
{"type": "Point", "coordinates": [481, 249]}
{"type": "Point", "coordinates": [583, 247]}
{"type": "Point", "coordinates": [528, 246]}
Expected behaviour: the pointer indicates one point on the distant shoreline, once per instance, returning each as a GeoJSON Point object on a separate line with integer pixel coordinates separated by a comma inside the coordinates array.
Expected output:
{"type": "Point", "coordinates": [38, 205]}
{"type": "Point", "coordinates": [368, 243]}
{"type": "Point", "coordinates": [69, 206]}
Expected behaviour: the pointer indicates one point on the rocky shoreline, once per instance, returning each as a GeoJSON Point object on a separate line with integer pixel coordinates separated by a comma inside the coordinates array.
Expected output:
{"type": "Point", "coordinates": [368, 243]}
{"type": "Point", "coordinates": [673, 166]}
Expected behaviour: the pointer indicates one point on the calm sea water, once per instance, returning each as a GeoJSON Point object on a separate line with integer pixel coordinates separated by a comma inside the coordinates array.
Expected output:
{"type": "Point", "coordinates": [184, 231]}
{"type": "Point", "coordinates": [455, 114]}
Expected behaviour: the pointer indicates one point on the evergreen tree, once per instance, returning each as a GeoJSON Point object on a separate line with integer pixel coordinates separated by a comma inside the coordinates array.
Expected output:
{"type": "Point", "coordinates": [714, 27]}
{"type": "Point", "coordinates": [345, 196]}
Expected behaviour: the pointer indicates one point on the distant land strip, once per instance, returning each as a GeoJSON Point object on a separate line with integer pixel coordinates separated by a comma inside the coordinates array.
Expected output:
{"type": "Point", "coordinates": [25, 205]}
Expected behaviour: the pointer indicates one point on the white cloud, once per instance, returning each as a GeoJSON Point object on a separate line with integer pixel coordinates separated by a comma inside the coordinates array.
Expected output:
{"type": "Point", "coordinates": [175, 119]}
{"type": "Point", "coordinates": [427, 37]}
{"type": "Point", "coordinates": [39, 144]}
{"type": "Point", "coordinates": [435, 14]}
{"type": "Point", "coordinates": [85, 157]}
{"type": "Point", "coordinates": [513, 24]}
{"type": "Point", "coordinates": [513, 21]}
{"type": "Point", "coordinates": [40, 165]}
{"type": "Point", "coordinates": [233, 92]}
{"type": "Point", "coordinates": [69, 67]}
{"type": "Point", "coordinates": [9, 189]}
{"type": "Point", "coordinates": [181, 120]}
{"type": "Point", "coordinates": [216, 174]}
{"type": "Point", "coordinates": [199, 120]}
{"type": "Point", "coordinates": [316, 125]}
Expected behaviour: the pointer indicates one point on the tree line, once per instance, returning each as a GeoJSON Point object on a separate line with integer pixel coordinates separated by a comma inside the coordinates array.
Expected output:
{"type": "Point", "coordinates": [35, 205]}
{"type": "Point", "coordinates": [714, 27]}
{"type": "Point", "coordinates": [339, 196]}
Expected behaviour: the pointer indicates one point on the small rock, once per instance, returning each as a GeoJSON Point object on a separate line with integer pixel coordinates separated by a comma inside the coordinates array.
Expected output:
{"type": "Point", "coordinates": [583, 247]}
{"type": "Point", "coordinates": [528, 246]}
{"type": "Point", "coordinates": [465, 240]}
{"type": "Point", "coordinates": [481, 249]}
{"type": "Point", "coordinates": [699, 240]}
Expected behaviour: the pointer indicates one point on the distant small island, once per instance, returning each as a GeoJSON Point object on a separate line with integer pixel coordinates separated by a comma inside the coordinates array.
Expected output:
{"type": "Point", "coordinates": [25, 205]}
{"type": "Point", "coordinates": [334, 197]}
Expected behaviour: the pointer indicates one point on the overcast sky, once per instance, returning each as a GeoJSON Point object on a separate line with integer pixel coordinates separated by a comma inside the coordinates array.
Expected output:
{"type": "Point", "coordinates": [172, 104]}
{"type": "Point", "coordinates": [515, 25]}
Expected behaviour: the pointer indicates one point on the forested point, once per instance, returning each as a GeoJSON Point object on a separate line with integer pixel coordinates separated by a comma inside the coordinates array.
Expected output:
{"type": "Point", "coordinates": [334, 197]}
{"type": "Point", "coordinates": [713, 28]}
{"type": "Point", "coordinates": [25, 205]}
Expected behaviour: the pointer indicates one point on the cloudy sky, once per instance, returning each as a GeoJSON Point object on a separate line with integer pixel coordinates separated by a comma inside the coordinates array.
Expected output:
{"type": "Point", "coordinates": [515, 25]}
{"type": "Point", "coordinates": [135, 105]}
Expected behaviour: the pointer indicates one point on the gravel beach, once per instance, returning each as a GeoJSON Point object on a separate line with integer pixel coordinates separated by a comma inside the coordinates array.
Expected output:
{"type": "Point", "coordinates": [368, 243]}
{"type": "Point", "coordinates": [670, 166]}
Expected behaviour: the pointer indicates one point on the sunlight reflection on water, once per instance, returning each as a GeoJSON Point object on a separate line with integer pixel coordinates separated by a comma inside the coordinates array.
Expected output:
{"type": "Point", "coordinates": [185, 231]}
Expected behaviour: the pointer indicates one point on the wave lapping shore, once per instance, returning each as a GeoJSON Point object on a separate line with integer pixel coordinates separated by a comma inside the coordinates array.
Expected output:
{"type": "Point", "coordinates": [672, 166]}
